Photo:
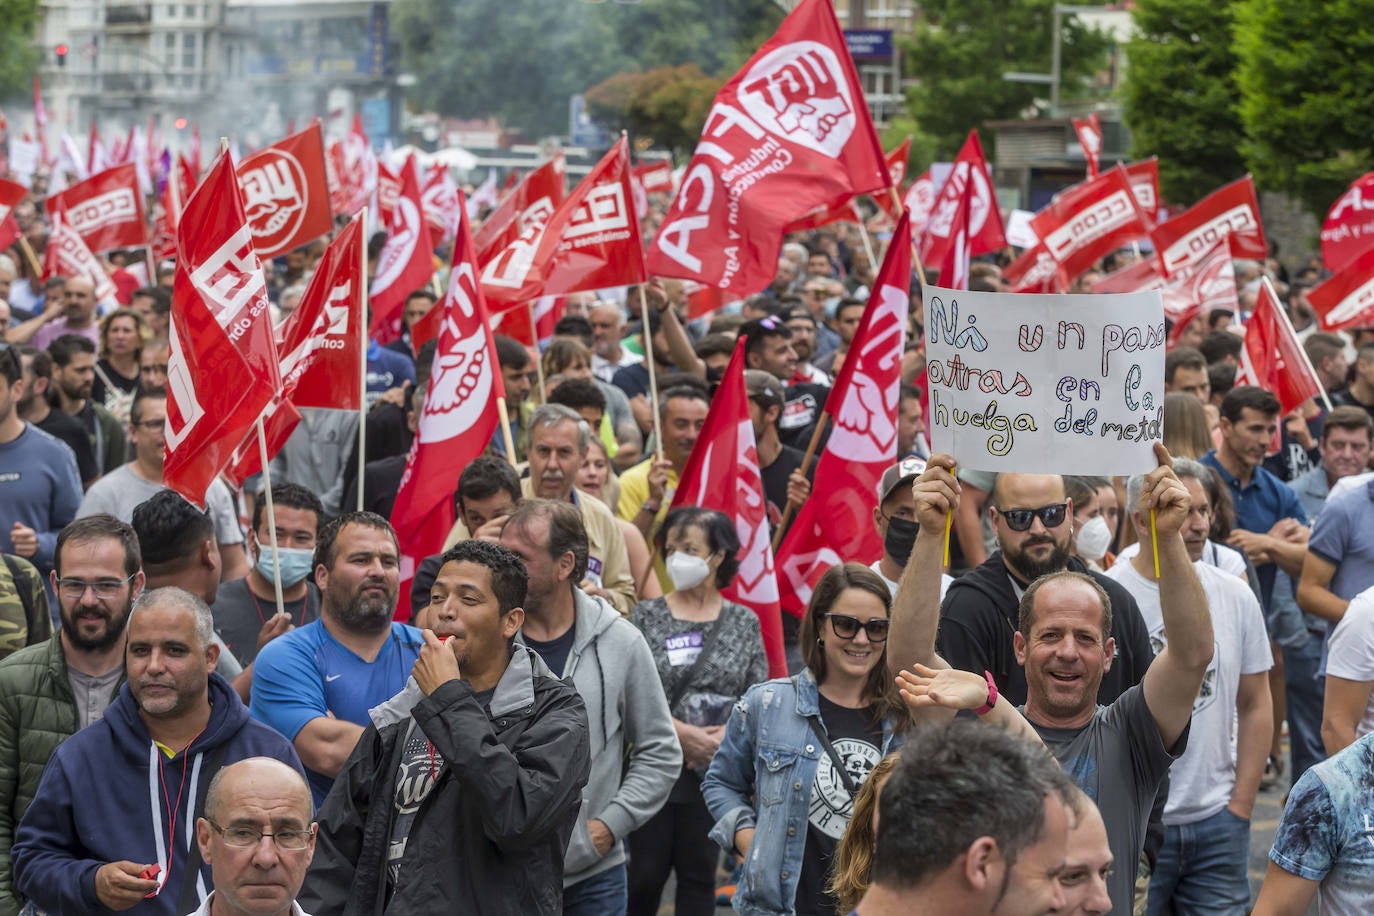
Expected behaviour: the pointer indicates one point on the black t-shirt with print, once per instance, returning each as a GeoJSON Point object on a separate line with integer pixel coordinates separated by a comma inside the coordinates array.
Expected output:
{"type": "Point", "coordinates": [858, 741]}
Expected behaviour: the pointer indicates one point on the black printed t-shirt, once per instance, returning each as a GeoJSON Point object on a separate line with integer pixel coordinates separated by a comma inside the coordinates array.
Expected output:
{"type": "Point", "coordinates": [858, 741]}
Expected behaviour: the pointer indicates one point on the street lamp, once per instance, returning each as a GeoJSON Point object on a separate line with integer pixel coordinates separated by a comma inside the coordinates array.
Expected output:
{"type": "Point", "coordinates": [1052, 79]}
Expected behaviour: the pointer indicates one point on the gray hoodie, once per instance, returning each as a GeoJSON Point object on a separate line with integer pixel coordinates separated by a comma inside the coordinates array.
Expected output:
{"type": "Point", "coordinates": [613, 670]}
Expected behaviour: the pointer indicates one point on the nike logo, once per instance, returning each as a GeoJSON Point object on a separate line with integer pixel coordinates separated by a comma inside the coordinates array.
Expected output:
{"type": "Point", "coordinates": [330, 678]}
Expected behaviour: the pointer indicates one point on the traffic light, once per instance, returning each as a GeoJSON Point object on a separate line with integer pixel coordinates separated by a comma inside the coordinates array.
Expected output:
{"type": "Point", "coordinates": [61, 51]}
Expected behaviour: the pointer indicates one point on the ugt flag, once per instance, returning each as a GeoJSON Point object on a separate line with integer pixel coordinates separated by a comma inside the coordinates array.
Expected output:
{"type": "Point", "coordinates": [788, 133]}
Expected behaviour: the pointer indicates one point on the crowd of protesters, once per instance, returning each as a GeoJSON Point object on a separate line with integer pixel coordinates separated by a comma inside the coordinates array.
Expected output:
{"type": "Point", "coordinates": [565, 710]}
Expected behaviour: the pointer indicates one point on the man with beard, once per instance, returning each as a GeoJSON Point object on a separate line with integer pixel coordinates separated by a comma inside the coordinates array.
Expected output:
{"type": "Point", "coordinates": [73, 359]}
{"type": "Point", "coordinates": [51, 689]}
{"type": "Point", "coordinates": [459, 763]}
{"type": "Point", "coordinates": [1033, 521]}
{"type": "Point", "coordinates": [78, 315]}
{"type": "Point", "coordinates": [316, 683]}
{"type": "Point", "coordinates": [172, 726]}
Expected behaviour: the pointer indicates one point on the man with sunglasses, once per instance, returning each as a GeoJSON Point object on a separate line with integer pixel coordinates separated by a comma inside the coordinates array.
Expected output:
{"type": "Point", "coordinates": [51, 689]}
{"type": "Point", "coordinates": [1033, 521]}
{"type": "Point", "coordinates": [40, 488]}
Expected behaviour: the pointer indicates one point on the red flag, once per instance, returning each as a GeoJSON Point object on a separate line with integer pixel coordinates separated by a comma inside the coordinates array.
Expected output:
{"type": "Point", "coordinates": [193, 152]}
{"type": "Point", "coordinates": [787, 133]}
{"type": "Point", "coordinates": [591, 241]}
{"type": "Point", "coordinates": [319, 341]}
{"type": "Point", "coordinates": [11, 193]}
{"type": "Point", "coordinates": [337, 173]}
{"type": "Point", "coordinates": [515, 323]}
{"type": "Point", "coordinates": [1089, 132]}
{"type": "Point", "coordinates": [1231, 213]}
{"type": "Point", "coordinates": [1349, 227]}
{"type": "Point", "coordinates": [440, 197]}
{"type": "Point", "coordinates": [1088, 221]}
{"type": "Point", "coordinates": [40, 117]}
{"type": "Point", "coordinates": [953, 266]}
{"type": "Point", "coordinates": [656, 176]}
{"type": "Point", "coordinates": [459, 416]}
{"type": "Point", "coordinates": [279, 421]}
{"type": "Point", "coordinates": [986, 232]}
{"type": "Point", "coordinates": [836, 522]}
{"type": "Point", "coordinates": [1145, 186]}
{"type": "Point", "coordinates": [68, 256]}
{"type": "Point", "coordinates": [1346, 300]}
{"type": "Point", "coordinates": [1136, 278]}
{"type": "Point", "coordinates": [1273, 358]}
{"type": "Point", "coordinates": [723, 474]}
{"type": "Point", "coordinates": [106, 210]}
{"type": "Point", "coordinates": [847, 210]}
{"type": "Point", "coordinates": [1210, 283]}
{"type": "Point", "coordinates": [405, 263]}
{"type": "Point", "coordinates": [531, 202]}
{"type": "Point", "coordinates": [286, 193]}
{"type": "Point", "coordinates": [919, 201]}
{"type": "Point", "coordinates": [1034, 272]}
{"type": "Point", "coordinates": [222, 372]}
{"type": "Point", "coordinates": [388, 189]}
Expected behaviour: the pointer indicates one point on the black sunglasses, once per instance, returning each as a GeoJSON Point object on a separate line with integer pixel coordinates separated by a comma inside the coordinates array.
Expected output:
{"type": "Point", "coordinates": [847, 627]}
{"type": "Point", "coordinates": [1021, 519]}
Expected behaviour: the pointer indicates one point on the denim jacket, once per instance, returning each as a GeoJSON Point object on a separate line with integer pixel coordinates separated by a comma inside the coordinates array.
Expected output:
{"type": "Point", "coordinates": [761, 777]}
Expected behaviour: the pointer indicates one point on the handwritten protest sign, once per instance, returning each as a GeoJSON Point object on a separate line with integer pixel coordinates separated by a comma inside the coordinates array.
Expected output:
{"type": "Point", "coordinates": [1062, 384]}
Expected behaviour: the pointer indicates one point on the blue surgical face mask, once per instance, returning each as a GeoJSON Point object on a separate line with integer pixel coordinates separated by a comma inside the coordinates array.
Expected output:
{"type": "Point", "coordinates": [296, 563]}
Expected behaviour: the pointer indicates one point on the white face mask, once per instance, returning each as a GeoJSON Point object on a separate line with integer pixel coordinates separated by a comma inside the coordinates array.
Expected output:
{"type": "Point", "coordinates": [1094, 538]}
{"type": "Point", "coordinates": [685, 570]}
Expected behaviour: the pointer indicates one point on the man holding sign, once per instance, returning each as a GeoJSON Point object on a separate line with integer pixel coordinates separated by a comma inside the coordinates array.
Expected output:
{"type": "Point", "coordinates": [1118, 754]}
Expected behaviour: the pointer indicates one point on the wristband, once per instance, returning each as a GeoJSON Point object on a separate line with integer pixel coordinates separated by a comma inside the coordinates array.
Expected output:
{"type": "Point", "coordinates": [652, 510]}
{"type": "Point", "coordinates": [992, 696]}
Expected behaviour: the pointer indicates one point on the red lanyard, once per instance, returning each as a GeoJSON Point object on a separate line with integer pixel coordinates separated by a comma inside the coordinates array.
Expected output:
{"type": "Point", "coordinates": [173, 812]}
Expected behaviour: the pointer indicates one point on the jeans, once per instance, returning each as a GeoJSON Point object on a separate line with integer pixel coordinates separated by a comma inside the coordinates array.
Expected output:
{"type": "Point", "coordinates": [603, 894]}
{"type": "Point", "coordinates": [1305, 696]}
{"type": "Point", "coordinates": [1202, 868]}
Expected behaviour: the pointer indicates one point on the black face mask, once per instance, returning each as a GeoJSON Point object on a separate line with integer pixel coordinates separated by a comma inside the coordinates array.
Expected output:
{"type": "Point", "coordinates": [900, 538]}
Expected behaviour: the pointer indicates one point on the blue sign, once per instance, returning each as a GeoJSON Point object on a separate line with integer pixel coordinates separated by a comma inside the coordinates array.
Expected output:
{"type": "Point", "coordinates": [869, 44]}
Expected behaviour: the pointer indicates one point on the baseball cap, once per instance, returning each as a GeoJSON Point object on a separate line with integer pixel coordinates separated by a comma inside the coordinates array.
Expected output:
{"type": "Point", "coordinates": [764, 386]}
{"type": "Point", "coordinates": [901, 473]}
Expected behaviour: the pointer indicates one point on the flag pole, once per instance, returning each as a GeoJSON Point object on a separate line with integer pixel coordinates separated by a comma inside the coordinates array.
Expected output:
{"type": "Point", "coordinates": [271, 518]}
{"type": "Point", "coordinates": [863, 234]}
{"type": "Point", "coordinates": [915, 254]}
{"type": "Point", "coordinates": [362, 368]}
{"type": "Point", "coordinates": [503, 412]}
{"type": "Point", "coordinates": [792, 507]}
{"type": "Point", "coordinates": [653, 376]}
{"type": "Point", "coordinates": [1305, 358]}
{"type": "Point", "coordinates": [32, 259]}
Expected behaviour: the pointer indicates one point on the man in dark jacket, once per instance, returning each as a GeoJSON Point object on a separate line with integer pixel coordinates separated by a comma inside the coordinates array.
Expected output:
{"type": "Point", "coordinates": [980, 611]}
{"type": "Point", "coordinates": [175, 722]}
{"type": "Point", "coordinates": [462, 795]}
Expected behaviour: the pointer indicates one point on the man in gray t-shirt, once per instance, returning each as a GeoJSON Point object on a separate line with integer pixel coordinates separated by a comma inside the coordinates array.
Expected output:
{"type": "Point", "coordinates": [1120, 753]}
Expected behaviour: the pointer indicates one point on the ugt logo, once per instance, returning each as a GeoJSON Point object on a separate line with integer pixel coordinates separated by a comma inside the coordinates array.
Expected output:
{"type": "Point", "coordinates": [799, 91]}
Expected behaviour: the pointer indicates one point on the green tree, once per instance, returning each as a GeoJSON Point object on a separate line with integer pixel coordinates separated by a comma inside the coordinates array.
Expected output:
{"type": "Point", "coordinates": [960, 50]}
{"type": "Point", "coordinates": [18, 56]}
{"type": "Point", "coordinates": [667, 105]}
{"type": "Point", "coordinates": [1180, 95]}
{"type": "Point", "coordinates": [1306, 74]}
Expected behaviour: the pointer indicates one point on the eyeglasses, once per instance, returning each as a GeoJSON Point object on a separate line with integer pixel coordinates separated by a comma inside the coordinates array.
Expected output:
{"type": "Point", "coordinates": [154, 367]}
{"type": "Point", "coordinates": [150, 425]}
{"type": "Point", "coordinates": [847, 627]}
{"type": "Point", "coordinates": [103, 588]}
{"type": "Point", "coordinates": [244, 837]}
{"type": "Point", "coordinates": [1021, 519]}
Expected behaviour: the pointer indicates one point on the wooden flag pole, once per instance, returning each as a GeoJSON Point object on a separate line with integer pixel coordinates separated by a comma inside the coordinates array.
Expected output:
{"type": "Point", "coordinates": [806, 463]}
{"type": "Point", "coordinates": [362, 367]}
{"type": "Point", "coordinates": [653, 376]}
{"type": "Point", "coordinates": [504, 413]}
{"type": "Point", "coordinates": [863, 234]}
{"type": "Point", "coordinates": [32, 260]}
{"type": "Point", "coordinates": [915, 254]}
{"type": "Point", "coordinates": [271, 518]}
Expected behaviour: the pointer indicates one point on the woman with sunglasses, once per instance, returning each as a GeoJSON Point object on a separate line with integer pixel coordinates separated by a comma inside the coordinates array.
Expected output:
{"type": "Point", "coordinates": [797, 750]}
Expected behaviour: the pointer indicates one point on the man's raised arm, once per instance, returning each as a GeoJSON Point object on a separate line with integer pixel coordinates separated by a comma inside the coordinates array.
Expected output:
{"type": "Point", "coordinates": [916, 608]}
{"type": "Point", "coordinates": [1171, 685]}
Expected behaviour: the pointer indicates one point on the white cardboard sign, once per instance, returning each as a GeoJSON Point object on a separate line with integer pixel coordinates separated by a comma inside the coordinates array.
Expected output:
{"type": "Point", "coordinates": [1059, 384]}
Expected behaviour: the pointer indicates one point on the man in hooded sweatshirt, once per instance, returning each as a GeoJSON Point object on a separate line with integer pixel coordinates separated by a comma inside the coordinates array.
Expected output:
{"type": "Point", "coordinates": [175, 723]}
{"type": "Point", "coordinates": [585, 641]}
